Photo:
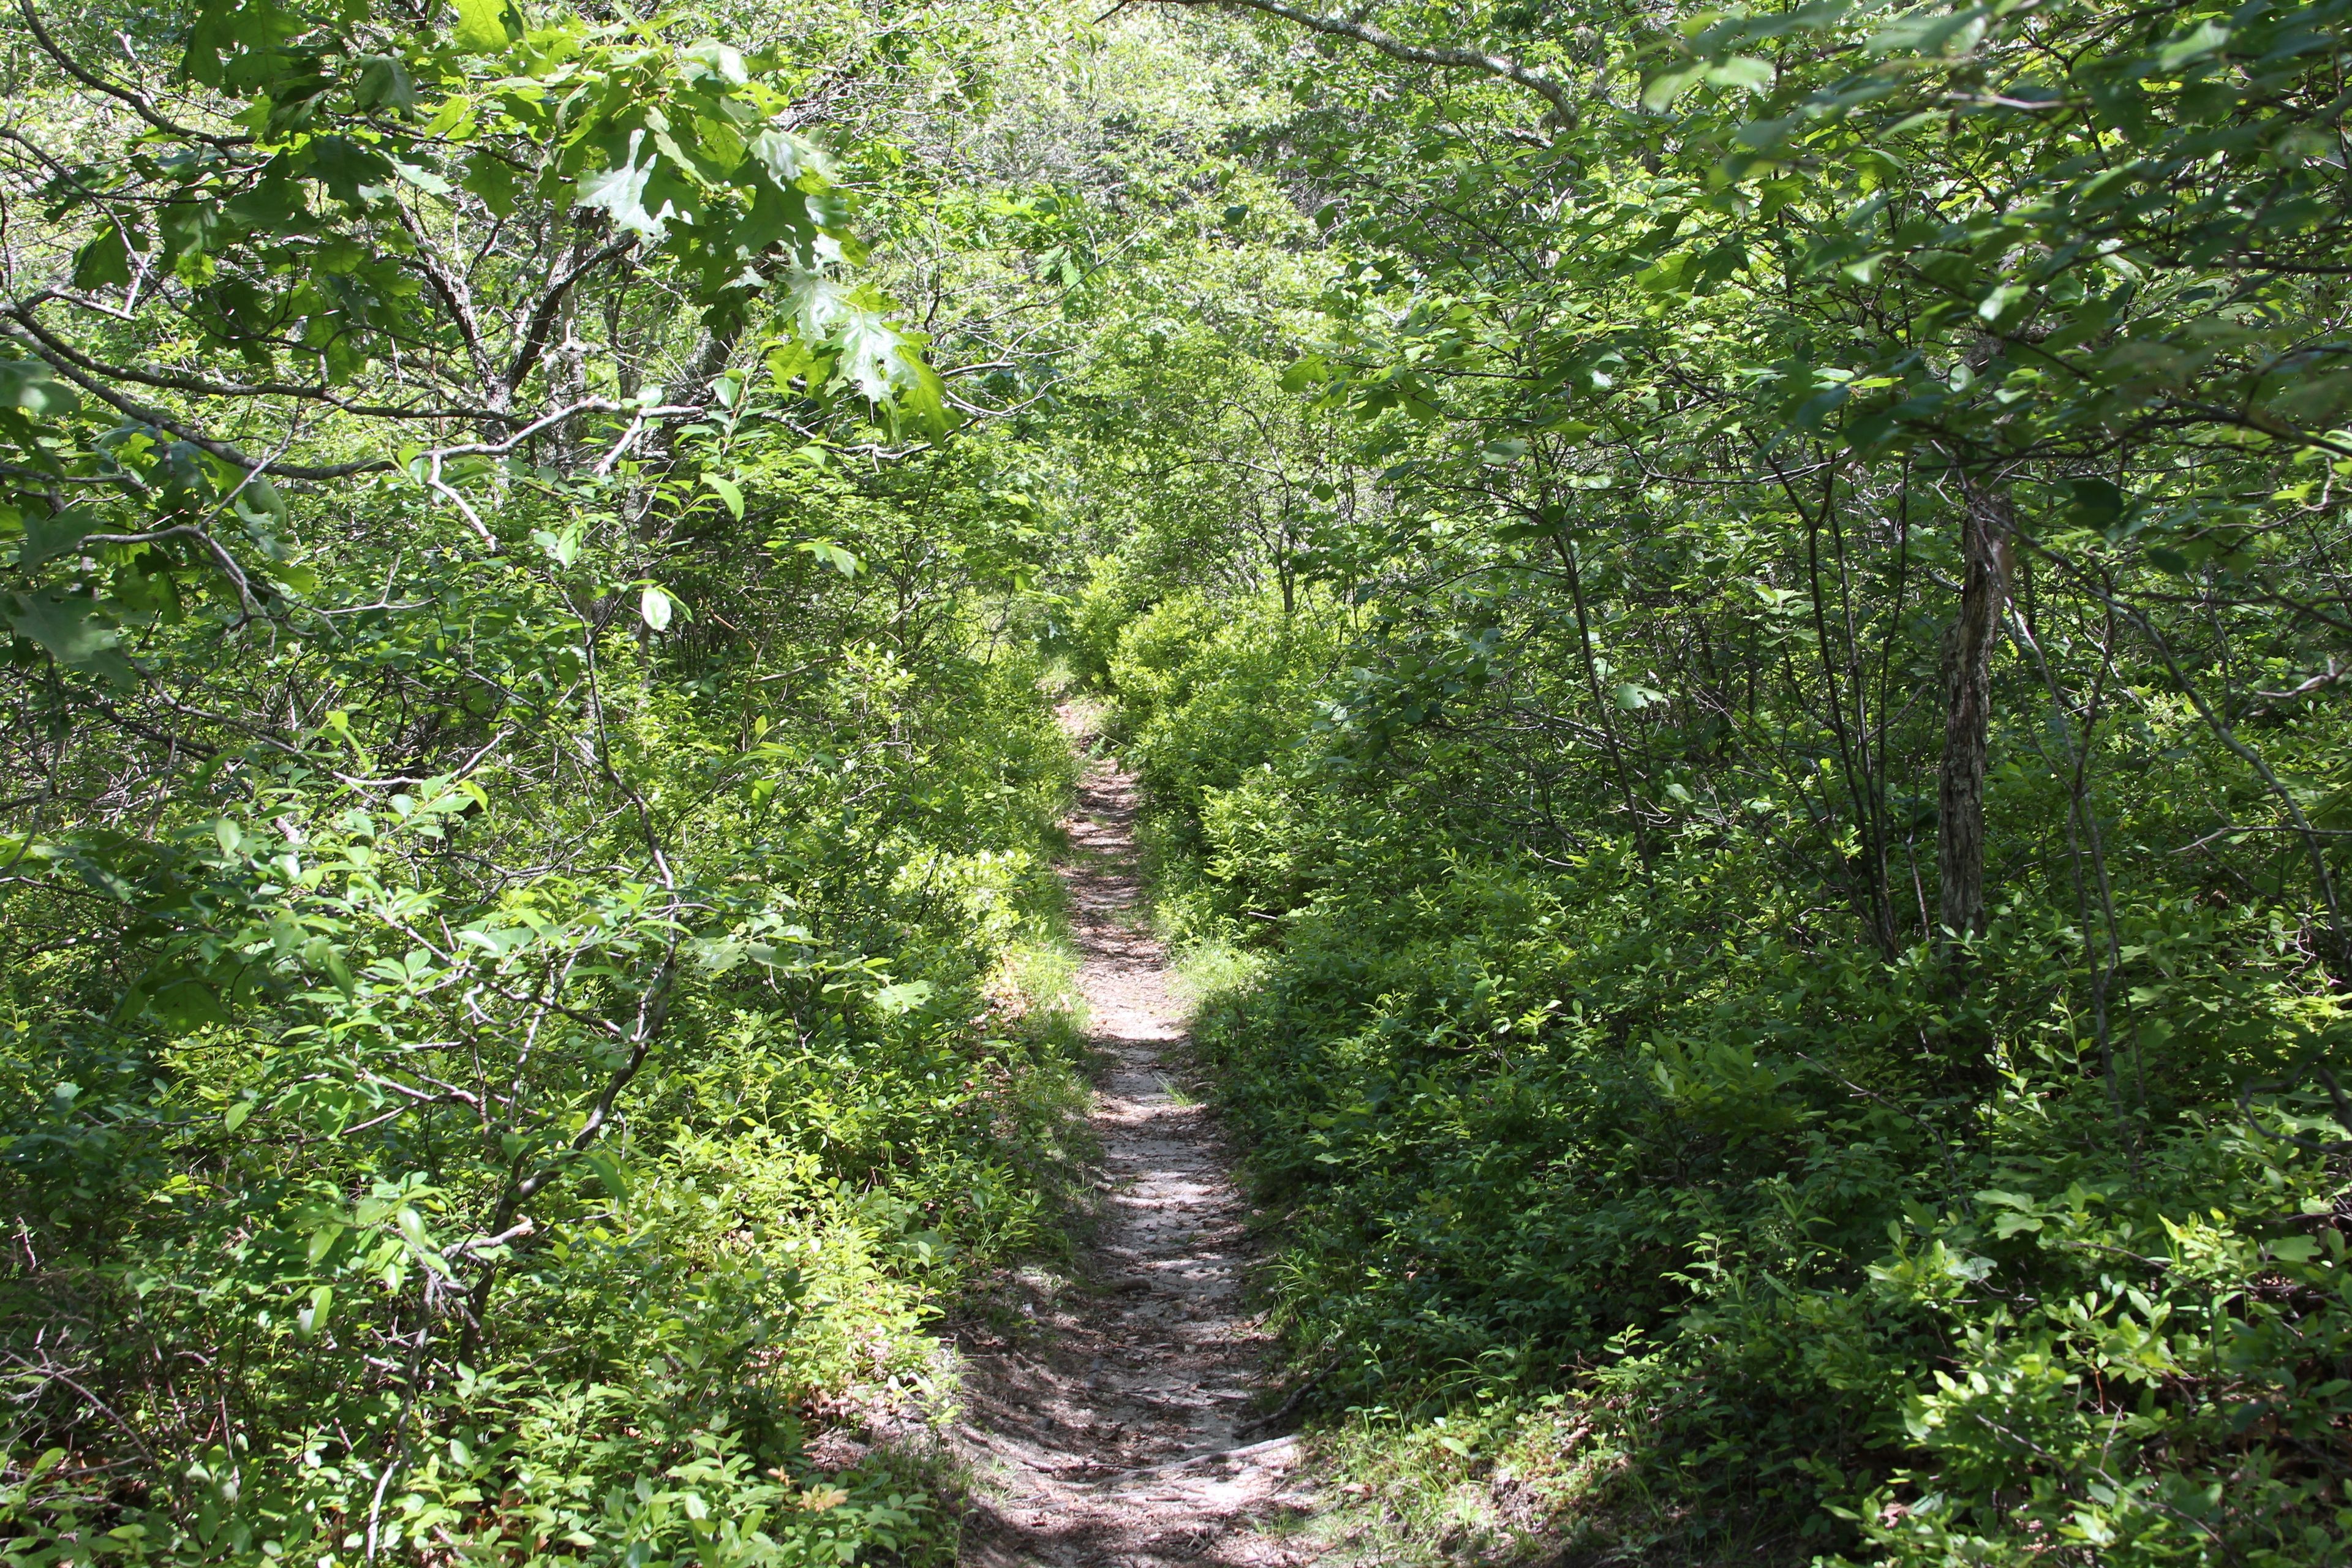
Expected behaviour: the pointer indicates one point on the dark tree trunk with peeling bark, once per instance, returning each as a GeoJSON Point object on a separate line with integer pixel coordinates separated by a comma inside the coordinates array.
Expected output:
{"type": "Point", "coordinates": [1968, 704]}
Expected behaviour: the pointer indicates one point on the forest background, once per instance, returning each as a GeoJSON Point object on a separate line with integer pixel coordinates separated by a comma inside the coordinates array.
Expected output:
{"type": "Point", "coordinates": [1732, 620]}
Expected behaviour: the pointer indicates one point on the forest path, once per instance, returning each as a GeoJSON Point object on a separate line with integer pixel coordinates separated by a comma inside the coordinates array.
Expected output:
{"type": "Point", "coordinates": [1109, 1428]}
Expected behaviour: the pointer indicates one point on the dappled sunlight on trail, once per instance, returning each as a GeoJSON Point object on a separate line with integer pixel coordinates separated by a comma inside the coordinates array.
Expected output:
{"type": "Point", "coordinates": [1112, 1426]}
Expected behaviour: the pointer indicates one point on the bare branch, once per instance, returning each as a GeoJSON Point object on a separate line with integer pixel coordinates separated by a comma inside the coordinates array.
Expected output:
{"type": "Point", "coordinates": [542, 316]}
{"type": "Point", "coordinates": [163, 421]}
{"type": "Point", "coordinates": [1550, 89]}
{"type": "Point", "coordinates": [139, 102]}
{"type": "Point", "coordinates": [23, 315]}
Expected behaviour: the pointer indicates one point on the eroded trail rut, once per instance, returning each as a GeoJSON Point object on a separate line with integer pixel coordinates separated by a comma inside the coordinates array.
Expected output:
{"type": "Point", "coordinates": [1110, 1428]}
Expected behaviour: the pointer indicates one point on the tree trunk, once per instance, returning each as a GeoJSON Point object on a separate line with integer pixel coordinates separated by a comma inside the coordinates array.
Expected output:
{"type": "Point", "coordinates": [1968, 704]}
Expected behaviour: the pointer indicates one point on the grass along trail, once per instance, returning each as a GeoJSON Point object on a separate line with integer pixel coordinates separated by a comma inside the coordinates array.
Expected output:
{"type": "Point", "coordinates": [1110, 1426]}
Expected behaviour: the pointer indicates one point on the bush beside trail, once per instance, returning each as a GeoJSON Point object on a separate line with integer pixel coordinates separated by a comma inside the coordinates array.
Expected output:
{"type": "Point", "coordinates": [1646, 1204]}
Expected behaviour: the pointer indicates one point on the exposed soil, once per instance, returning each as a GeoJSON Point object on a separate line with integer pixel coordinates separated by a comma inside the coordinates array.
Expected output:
{"type": "Point", "coordinates": [1109, 1427]}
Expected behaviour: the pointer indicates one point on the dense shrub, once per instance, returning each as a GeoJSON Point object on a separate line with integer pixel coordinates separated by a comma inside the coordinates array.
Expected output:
{"type": "Point", "coordinates": [268, 1232]}
{"type": "Point", "coordinates": [1827, 1257]}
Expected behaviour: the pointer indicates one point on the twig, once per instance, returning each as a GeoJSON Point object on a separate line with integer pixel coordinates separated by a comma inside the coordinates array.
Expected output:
{"type": "Point", "coordinates": [1549, 88]}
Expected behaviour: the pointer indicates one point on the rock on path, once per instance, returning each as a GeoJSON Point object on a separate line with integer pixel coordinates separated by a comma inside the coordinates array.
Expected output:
{"type": "Point", "coordinates": [1110, 1430]}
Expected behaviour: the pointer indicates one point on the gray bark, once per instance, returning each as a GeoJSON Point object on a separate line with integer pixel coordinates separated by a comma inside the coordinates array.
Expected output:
{"type": "Point", "coordinates": [1968, 711]}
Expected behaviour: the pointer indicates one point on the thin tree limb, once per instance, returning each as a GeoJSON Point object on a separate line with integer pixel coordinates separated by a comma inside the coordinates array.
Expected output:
{"type": "Point", "coordinates": [1550, 89]}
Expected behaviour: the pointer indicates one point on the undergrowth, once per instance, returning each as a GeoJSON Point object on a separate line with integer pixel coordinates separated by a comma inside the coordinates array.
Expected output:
{"type": "Point", "coordinates": [278, 1268]}
{"type": "Point", "coordinates": [1642, 1213]}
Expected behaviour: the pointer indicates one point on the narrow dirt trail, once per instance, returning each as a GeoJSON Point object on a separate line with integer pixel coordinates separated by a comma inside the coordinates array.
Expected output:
{"type": "Point", "coordinates": [1110, 1429]}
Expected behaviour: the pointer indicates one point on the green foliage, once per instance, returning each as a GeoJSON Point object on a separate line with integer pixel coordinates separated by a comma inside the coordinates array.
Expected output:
{"type": "Point", "coordinates": [520, 824]}
{"type": "Point", "coordinates": [321, 239]}
{"type": "Point", "coordinates": [1209, 700]}
{"type": "Point", "coordinates": [1797, 927]}
{"type": "Point", "coordinates": [1738, 660]}
{"type": "Point", "coordinates": [1676, 1145]}
{"type": "Point", "coordinates": [539, 1216]}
